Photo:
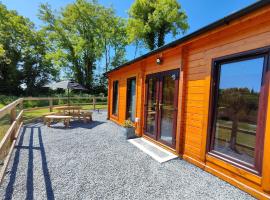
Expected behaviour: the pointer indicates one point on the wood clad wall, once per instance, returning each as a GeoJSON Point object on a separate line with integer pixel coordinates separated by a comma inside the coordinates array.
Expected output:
{"type": "Point", "coordinates": [242, 35]}
{"type": "Point", "coordinates": [121, 77]}
{"type": "Point", "coordinates": [194, 58]}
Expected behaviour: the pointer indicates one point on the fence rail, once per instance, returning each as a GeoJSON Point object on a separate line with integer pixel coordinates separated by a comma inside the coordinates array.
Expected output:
{"type": "Point", "coordinates": [15, 111]}
{"type": "Point", "coordinates": [253, 133]}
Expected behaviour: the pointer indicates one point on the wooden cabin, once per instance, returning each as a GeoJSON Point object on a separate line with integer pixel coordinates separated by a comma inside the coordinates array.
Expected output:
{"type": "Point", "coordinates": [205, 97]}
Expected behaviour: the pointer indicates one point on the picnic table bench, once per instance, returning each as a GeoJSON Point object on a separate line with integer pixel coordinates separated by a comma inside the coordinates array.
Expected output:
{"type": "Point", "coordinates": [75, 112]}
{"type": "Point", "coordinates": [50, 118]}
{"type": "Point", "coordinates": [66, 113]}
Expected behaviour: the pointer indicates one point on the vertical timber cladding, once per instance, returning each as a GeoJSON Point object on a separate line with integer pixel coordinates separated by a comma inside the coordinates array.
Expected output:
{"type": "Point", "coordinates": [194, 57]}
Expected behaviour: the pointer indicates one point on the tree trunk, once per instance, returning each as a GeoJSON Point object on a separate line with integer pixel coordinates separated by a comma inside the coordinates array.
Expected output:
{"type": "Point", "coordinates": [161, 37]}
{"type": "Point", "coordinates": [150, 41]}
{"type": "Point", "coordinates": [234, 134]}
{"type": "Point", "coordinates": [89, 74]}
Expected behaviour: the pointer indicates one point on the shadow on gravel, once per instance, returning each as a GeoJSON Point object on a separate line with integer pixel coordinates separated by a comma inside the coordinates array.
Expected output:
{"type": "Point", "coordinates": [29, 182]}
{"type": "Point", "coordinates": [77, 124]}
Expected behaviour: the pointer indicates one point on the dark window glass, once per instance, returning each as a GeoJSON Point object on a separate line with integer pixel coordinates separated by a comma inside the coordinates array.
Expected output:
{"type": "Point", "coordinates": [115, 98]}
{"type": "Point", "coordinates": [236, 111]}
{"type": "Point", "coordinates": [151, 105]}
{"type": "Point", "coordinates": [167, 108]}
{"type": "Point", "coordinates": [131, 99]}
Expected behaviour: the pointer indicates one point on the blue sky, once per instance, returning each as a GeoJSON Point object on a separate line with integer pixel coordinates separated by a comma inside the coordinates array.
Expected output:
{"type": "Point", "coordinates": [244, 74]}
{"type": "Point", "coordinates": [200, 12]}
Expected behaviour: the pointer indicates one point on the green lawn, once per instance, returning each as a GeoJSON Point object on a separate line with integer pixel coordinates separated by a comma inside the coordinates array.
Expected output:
{"type": "Point", "coordinates": [34, 114]}
{"type": "Point", "coordinates": [4, 126]}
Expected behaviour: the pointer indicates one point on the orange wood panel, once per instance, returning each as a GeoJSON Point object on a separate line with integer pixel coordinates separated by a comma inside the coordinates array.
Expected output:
{"type": "Point", "coordinates": [195, 59]}
{"type": "Point", "coordinates": [266, 158]}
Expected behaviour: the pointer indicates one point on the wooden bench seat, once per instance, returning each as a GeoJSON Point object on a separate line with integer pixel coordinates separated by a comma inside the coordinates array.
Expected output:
{"type": "Point", "coordinates": [87, 116]}
{"type": "Point", "coordinates": [65, 119]}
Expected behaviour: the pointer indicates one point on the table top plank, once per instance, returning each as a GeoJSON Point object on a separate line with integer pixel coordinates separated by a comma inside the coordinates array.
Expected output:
{"type": "Point", "coordinates": [58, 117]}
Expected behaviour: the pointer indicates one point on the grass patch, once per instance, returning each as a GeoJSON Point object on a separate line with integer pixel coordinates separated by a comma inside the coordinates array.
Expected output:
{"type": "Point", "coordinates": [35, 114]}
{"type": "Point", "coordinates": [90, 107]}
{"type": "Point", "coordinates": [4, 126]}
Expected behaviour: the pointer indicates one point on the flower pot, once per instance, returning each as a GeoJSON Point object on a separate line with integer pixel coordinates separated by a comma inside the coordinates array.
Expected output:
{"type": "Point", "coordinates": [130, 133]}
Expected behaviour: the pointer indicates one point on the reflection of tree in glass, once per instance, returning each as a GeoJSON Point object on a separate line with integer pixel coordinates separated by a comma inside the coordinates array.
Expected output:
{"type": "Point", "coordinates": [237, 105]}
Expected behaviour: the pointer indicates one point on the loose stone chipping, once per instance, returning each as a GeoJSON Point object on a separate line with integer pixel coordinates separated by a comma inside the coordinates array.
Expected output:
{"type": "Point", "coordinates": [94, 161]}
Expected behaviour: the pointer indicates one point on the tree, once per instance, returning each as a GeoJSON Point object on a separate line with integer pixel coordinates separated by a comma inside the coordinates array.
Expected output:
{"type": "Point", "coordinates": [21, 49]}
{"type": "Point", "coordinates": [151, 20]}
{"type": "Point", "coordinates": [80, 35]}
{"type": "Point", "coordinates": [37, 69]}
{"type": "Point", "coordinates": [237, 104]}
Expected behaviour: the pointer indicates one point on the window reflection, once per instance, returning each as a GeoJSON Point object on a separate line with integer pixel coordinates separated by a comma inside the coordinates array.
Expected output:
{"type": "Point", "coordinates": [131, 98]}
{"type": "Point", "coordinates": [151, 105]}
{"type": "Point", "coordinates": [115, 98]}
{"type": "Point", "coordinates": [237, 108]}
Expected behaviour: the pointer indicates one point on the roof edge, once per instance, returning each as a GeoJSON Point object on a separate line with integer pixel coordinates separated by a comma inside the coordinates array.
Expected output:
{"type": "Point", "coordinates": [223, 21]}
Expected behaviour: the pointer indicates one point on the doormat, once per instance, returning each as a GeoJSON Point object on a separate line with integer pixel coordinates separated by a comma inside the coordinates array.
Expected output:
{"type": "Point", "coordinates": [159, 154]}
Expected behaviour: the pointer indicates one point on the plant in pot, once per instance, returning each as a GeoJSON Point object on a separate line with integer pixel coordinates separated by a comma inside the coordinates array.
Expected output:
{"type": "Point", "coordinates": [130, 129]}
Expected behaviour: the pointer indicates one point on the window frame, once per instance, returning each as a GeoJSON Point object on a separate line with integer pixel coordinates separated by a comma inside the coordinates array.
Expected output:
{"type": "Point", "coordinates": [128, 98]}
{"type": "Point", "coordinates": [115, 110]}
{"type": "Point", "coordinates": [214, 93]}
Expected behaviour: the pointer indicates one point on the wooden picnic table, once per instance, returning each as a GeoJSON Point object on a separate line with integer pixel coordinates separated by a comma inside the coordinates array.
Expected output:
{"type": "Point", "coordinates": [75, 111]}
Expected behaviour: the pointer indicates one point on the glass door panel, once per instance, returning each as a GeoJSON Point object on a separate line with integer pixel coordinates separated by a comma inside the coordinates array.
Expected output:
{"type": "Point", "coordinates": [167, 109]}
{"type": "Point", "coordinates": [151, 107]}
{"type": "Point", "coordinates": [161, 106]}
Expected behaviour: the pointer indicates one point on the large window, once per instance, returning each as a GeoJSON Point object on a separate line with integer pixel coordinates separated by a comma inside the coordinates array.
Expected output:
{"type": "Point", "coordinates": [131, 99]}
{"type": "Point", "coordinates": [238, 109]}
{"type": "Point", "coordinates": [115, 99]}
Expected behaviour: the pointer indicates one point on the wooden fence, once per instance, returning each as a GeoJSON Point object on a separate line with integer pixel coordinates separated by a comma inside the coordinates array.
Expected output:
{"type": "Point", "coordinates": [15, 111]}
{"type": "Point", "coordinates": [92, 101]}
{"type": "Point", "coordinates": [248, 132]}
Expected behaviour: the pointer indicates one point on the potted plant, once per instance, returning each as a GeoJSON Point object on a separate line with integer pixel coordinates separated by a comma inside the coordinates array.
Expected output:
{"type": "Point", "coordinates": [130, 129]}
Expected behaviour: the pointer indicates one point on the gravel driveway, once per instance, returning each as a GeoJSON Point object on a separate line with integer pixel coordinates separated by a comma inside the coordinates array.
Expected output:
{"type": "Point", "coordinates": [94, 161]}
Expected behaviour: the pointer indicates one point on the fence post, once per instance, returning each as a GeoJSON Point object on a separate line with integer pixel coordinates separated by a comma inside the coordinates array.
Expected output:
{"type": "Point", "coordinates": [94, 103]}
{"type": "Point", "coordinates": [21, 105]}
{"type": "Point", "coordinates": [13, 115]}
{"type": "Point", "coordinates": [51, 105]}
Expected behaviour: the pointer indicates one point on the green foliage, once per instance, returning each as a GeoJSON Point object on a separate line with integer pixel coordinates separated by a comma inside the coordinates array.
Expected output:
{"type": "Point", "coordinates": [239, 102]}
{"type": "Point", "coordinates": [5, 100]}
{"type": "Point", "coordinates": [128, 124]}
{"type": "Point", "coordinates": [22, 55]}
{"type": "Point", "coordinates": [237, 105]}
{"type": "Point", "coordinates": [80, 35]}
{"type": "Point", "coordinates": [150, 21]}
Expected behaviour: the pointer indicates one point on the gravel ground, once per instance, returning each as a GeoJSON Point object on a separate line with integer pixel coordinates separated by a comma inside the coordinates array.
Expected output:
{"type": "Point", "coordinates": [94, 161]}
